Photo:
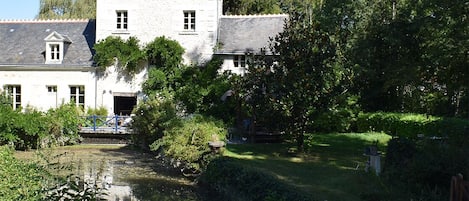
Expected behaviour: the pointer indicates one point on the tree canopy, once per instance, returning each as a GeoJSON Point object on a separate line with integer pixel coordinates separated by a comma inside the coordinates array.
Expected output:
{"type": "Point", "coordinates": [399, 56]}
{"type": "Point", "coordinates": [67, 9]}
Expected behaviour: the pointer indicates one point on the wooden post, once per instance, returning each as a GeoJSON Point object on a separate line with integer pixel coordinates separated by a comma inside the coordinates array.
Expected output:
{"type": "Point", "coordinates": [459, 191]}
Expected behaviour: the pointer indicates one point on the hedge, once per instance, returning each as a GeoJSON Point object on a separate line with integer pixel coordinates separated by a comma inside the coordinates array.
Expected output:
{"type": "Point", "coordinates": [232, 181]}
{"type": "Point", "coordinates": [411, 125]}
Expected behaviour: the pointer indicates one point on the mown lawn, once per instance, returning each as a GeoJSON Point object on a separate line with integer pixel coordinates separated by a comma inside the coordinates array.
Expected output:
{"type": "Point", "coordinates": [332, 168]}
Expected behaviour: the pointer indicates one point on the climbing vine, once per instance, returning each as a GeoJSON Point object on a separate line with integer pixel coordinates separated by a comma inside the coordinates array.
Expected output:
{"type": "Point", "coordinates": [125, 54]}
{"type": "Point", "coordinates": [164, 53]}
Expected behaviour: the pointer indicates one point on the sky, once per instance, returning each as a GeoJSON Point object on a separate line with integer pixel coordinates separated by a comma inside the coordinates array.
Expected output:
{"type": "Point", "coordinates": [18, 9]}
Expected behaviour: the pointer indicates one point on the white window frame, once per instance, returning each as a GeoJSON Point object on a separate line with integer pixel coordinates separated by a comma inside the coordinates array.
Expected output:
{"type": "Point", "coordinates": [14, 92]}
{"type": "Point", "coordinates": [55, 52]}
{"type": "Point", "coordinates": [77, 95]}
{"type": "Point", "coordinates": [122, 20]}
{"type": "Point", "coordinates": [239, 61]}
{"type": "Point", "coordinates": [189, 20]}
{"type": "Point", "coordinates": [52, 89]}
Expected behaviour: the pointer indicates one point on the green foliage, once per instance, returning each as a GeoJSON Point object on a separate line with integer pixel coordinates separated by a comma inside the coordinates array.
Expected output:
{"type": "Point", "coordinates": [411, 56]}
{"type": "Point", "coordinates": [128, 54]}
{"type": "Point", "coordinates": [64, 124]}
{"type": "Point", "coordinates": [7, 127]}
{"type": "Point", "coordinates": [411, 125]}
{"type": "Point", "coordinates": [246, 7]}
{"type": "Point", "coordinates": [164, 53]}
{"type": "Point", "coordinates": [253, 7]}
{"type": "Point", "coordinates": [96, 115]}
{"type": "Point", "coordinates": [165, 58]}
{"type": "Point", "coordinates": [202, 89]}
{"type": "Point", "coordinates": [196, 89]}
{"type": "Point", "coordinates": [425, 164]}
{"type": "Point", "coordinates": [188, 143]}
{"type": "Point", "coordinates": [34, 129]}
{"type": "Point", "coordinates": [67, 9]}
{"type": "Point", "coordinates": [340, 118]}
{"type": "Point", "coordinates": [22, 130]}
{"type": "Point", "coordinates": [100, 111]}
{"type": "Point", "coordinates": [306, 79]}
{"type": "Point", "coordinates": [157, 81]}
{"type": "Point", "coordinates": [152, 118]}
{"type": "Point", "coordinates": [232, 181]}
{"type": "Point", "coordinates": [399, 56]}
{"type": "Point", "coordinates": [19, 180]}
{"type": "Point", "coordinates": [32, 181]}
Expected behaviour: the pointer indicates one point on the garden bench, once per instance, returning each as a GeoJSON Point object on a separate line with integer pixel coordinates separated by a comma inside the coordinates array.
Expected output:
{"type": "Point", "coordinates": [265, 136]}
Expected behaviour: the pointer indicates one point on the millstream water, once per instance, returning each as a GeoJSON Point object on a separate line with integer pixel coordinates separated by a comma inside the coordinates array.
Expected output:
{"type": "Point", "coordinates": [124, 174]}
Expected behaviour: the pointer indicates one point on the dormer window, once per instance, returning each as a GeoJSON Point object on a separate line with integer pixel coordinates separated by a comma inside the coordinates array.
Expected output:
{"type": "Point", "coordinates": [56, 46]}
{"type": "Point", "coordinates": [54, 52]}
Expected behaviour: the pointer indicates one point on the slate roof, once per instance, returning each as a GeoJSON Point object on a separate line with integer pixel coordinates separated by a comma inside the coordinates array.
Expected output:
{"type": "Point", "coordinates": [22, 42]}
{"type": "Point", "coordinates": [250, 33]}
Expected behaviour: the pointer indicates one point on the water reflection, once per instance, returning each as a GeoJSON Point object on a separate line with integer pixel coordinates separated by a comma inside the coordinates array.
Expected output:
{"type": "Point", "coordinates": [133, 177]}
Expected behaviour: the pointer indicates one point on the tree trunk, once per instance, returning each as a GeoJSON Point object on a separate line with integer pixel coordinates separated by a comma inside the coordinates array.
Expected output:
{"type": "Point", "coordinates": [300, 140]}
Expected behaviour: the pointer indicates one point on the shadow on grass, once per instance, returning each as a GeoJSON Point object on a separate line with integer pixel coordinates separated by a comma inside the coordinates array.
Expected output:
{"type": "Point", "coordinates": [332, 168]}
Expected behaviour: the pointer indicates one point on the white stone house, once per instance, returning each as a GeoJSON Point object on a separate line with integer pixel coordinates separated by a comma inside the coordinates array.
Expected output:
{"type": "Point", "coordinates": [240, 35]}
{"type": "Point", "coordinates": [45, 63]}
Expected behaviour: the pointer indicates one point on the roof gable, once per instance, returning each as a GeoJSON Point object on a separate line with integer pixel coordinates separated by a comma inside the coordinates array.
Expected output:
{"type": "Point", "coordinates": [249, 33]}
{"type": "Point", "coordinates": [24, 42]}
{"type": "Point", "coordinates": [56, 37]}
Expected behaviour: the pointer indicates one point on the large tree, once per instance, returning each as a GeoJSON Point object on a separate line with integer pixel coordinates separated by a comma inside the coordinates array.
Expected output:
{"type": "Point", "coordinates": [413, 56]}
{"type": "Point", "coordinates": [306, 75]}
{"type": "Point", "coordinates": [67, 9]}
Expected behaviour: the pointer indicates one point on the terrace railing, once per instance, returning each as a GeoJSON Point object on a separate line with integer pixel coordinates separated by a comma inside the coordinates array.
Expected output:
{"type": "Point", "coordinates": [116, 124]}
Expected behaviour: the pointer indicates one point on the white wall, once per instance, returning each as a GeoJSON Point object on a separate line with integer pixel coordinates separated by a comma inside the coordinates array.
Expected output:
{"type": "Point", "coordinates": [34, 86]}
{"type": "Point", "coordinates": [148, 19]}
{"type": "Point", "coordinates": [228, 65]}
{"type": "Point", "coordinates": [113, 83]}
{"type": "Point", "coordinates": [99, 91]}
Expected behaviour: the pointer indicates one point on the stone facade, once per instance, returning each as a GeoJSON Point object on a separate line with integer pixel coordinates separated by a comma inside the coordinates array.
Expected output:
{"type": "Point", "coordinates": [46, 63]}
{"type": "Point", "coordinates": [148, 19]}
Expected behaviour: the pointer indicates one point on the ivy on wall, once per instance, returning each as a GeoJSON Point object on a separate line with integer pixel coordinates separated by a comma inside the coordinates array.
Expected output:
{"type": "Point", "coordinates": [164, 53]}
{"type": "Point", "coordinates": [124, 54]}
{"type": "Point", "coordinates": [128, 56]}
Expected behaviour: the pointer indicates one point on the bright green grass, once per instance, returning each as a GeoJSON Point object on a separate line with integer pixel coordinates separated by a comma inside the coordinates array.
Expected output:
{"type": "Point", "coordinates": [331, 169]}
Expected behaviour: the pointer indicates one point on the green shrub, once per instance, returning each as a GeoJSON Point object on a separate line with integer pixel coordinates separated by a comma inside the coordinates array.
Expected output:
{"type": "Point", "coordinates": [152, 118]}
{"type": "Point", "coordinates": [64, 124]}
{"type": "Point", "coordinates": [22, 130]}
{"type": "Point", "coordinates": [411, 125]}
{"type": "Point", "coordinates": [19, 180]}
{"type": "Point", "coordinates": [96, 115]}
{"type": "Point", "coordinates": [341, 121]}
{"type": "Point", "coordinates": [34, 129]}
{"type": "Point", "coordinates": [232, 181]}
{"type": "Point", "coordinates": [100, 111]}
{"type": "Point", "coordinates": [426, 164]}
{"type": "Point", "coordinates": [8, 118]}
{"type": "Point", "coordinates": [188, 143]}
{"type": "Point", "coordinates": [340, 118]}
{"type": "Point", "coordinates": [31, 127]}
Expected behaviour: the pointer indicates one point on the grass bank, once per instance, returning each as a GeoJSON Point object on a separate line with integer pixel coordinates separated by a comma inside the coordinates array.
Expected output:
{"type": "Point", "coordinates": [332, 168]}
